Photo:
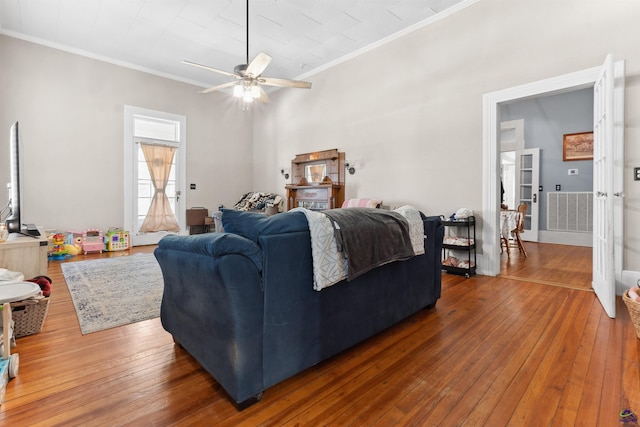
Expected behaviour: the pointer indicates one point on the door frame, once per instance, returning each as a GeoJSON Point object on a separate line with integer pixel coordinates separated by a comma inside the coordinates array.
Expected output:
{"type": "Point", "coordinates": [129, 174]}
{"type": "Point", "coordinates": [491, 157]}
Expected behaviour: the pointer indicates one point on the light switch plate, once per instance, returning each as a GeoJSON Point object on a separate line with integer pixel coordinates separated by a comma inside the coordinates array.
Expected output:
{"type": "Point", "coordinates": [636, 174]}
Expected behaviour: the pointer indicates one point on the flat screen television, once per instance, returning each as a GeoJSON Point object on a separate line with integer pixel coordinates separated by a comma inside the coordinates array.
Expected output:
{"type": "Point", "coordinates": [13, 221]}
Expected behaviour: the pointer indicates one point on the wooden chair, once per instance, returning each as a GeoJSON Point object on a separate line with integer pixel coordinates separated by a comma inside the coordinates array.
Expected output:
{"type": "Point", "coordinates": [513, 239]}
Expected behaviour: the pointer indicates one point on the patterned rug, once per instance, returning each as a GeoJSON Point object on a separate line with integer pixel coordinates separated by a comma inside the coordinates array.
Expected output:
{"type": "Point", "coordinates": [112, 292]}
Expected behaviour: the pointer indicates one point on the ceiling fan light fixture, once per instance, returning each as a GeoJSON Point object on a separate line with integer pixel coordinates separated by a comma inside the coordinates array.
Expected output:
{"type": "Point", "coordinates": [255, 91]}
{"type": "Point", "coordinates": [247, 96]}
{"type": "Point", "coordinates": [238, 91]}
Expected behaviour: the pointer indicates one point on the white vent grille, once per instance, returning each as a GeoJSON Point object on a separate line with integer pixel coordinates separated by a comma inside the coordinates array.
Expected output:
{"type": "Point", "coordinates": [570, 211]}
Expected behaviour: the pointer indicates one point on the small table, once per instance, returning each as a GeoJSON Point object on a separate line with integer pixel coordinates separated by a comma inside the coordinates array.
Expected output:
{"type": "Point", "coordinates": [17, 291]}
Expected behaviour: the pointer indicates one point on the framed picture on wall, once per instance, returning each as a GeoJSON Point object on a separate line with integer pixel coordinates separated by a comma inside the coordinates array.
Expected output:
{"type": "Point", "coordinates": [577, 146]}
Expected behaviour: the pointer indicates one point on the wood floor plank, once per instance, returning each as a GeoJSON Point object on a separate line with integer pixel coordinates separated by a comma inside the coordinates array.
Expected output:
{"type": "Point", "coordinates": [507, 350]}
{"type": "Point", "coordinates": [506, 385]}
{"type": "Point", "coordinates": [540, 401]}
{"type": "Point", "coordinates": [567, 412]}
{"type": "Point", "coordinates": [610, 401]}
{"type": "Point", "coordinates": [501, 348]}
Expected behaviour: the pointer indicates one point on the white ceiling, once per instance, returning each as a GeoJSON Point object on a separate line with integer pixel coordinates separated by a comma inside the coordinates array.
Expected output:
{"type": "Point", "coordinates": [302, 36]}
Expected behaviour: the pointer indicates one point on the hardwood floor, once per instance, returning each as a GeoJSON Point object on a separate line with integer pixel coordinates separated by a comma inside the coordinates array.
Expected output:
{"type": "Point", "coordinates": [557, 265]}
{"type": "Point", "coordinates": [495, 351]}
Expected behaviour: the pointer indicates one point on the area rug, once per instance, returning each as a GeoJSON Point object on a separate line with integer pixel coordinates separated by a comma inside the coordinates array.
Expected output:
{"type": "Point", "coordinates": [112, 292]}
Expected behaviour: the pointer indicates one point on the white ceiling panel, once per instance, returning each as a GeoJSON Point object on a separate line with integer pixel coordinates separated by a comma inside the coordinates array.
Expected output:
{"type": "Point", "coordinates": [10, 16]}
{"type": "Point", "coordinates": [161, 12]}
{"type": "Point", "coordinates": [39, 18]}
{"type": "Point", "coordinates": [156, 35]}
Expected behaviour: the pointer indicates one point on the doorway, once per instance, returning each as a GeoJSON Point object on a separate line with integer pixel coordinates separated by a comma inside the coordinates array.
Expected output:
{"type": "Point", "coordinates": [154, 160]}
{"type": "Point", "coordinates": [534, 173]}
{"type": "Point", "coordinates": [491, 177]}
{"type": "Point", "coordinates": [538, 174]}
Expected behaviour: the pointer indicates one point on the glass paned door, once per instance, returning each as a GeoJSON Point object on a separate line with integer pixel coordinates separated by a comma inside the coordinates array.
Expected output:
{"type": "Point", "coordinates": [159, 129]}
{"type": "Point", "coordinates": [527, 185]}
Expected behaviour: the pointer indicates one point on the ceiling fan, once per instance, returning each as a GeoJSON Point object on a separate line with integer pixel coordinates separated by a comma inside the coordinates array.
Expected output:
{"type": "Point", "coordinates": [248, 77]}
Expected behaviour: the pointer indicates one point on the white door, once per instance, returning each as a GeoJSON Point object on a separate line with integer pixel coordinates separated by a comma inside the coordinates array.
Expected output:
{"type": "Point", "coordinates": [527, 187]}
{"type": "Point", "coordinates": [603, 272]}
{"type": "Point", "coordinates": [153, 128]}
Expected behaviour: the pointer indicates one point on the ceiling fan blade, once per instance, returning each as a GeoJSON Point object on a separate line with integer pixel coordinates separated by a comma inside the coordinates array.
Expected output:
{"type": "Point", "coordinates": [270, 81]}
{"type": "Point", "coordinates": [258, 64]}
{"type": "Point", "coordinates": [222, 86]}
{"type": "Point", "coordinates": [263, 96]}
{"type": "Point", "coordinates": [215, 70]}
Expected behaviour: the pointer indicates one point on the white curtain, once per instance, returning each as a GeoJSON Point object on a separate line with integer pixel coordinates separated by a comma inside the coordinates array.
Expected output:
{"type": "Point", "coordinates": [160, 216]}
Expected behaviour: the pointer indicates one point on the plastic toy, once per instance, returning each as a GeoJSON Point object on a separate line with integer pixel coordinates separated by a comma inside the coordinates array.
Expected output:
{"type": "Point", "coordinates": [10, 362]}
{"type": "Point", "coordinates": [117, 240]}
{"type": "Point", "coordinates": [10, 292]}
{"type": "Point", "coordinates": [92, 241]}
{"type": "Point", "coordinates": [58, 252]}
{"type": "Point", "coordinates": [73, 242]}
{"type": "Point", "coordinates": [72, 249]}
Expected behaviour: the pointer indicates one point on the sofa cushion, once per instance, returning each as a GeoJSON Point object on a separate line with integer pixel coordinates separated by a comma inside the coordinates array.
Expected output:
{"type": "Point", "coordinates": [253, 225]}
{"type": "Point", "coordinates": [215, 245]}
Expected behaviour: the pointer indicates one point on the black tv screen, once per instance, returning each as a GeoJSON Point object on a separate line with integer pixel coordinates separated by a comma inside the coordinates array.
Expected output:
{"type": "Point", "coordinates": [13, 221]}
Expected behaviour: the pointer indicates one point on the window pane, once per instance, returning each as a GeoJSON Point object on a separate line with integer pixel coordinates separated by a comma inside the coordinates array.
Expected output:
{"type": "Point", "coordinates": [147, 127]}
{"type": "Point", "coordinates": [145, 189]}
{"type": "Point", "coordinates": [143, 206]}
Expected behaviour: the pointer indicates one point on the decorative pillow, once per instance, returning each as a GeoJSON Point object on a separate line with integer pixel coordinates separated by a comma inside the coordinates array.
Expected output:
{"type": "Point", "coordinates": [362, 203]}
{"type": "Point", "coordinates": [252, 224]}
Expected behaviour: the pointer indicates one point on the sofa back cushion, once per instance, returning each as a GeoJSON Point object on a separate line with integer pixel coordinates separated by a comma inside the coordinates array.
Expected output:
{"type": "Point", "coordinates": [253, 225]}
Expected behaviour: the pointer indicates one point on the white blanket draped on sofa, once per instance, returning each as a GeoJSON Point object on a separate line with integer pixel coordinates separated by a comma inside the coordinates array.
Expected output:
{"type": "Point", "coordinates": [329, 265]}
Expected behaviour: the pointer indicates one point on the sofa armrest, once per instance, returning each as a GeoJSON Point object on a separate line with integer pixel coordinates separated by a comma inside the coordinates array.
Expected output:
{"type": "Point", "coordinates": [434, 233]}
{"type": "Point", "coordinates": [213, 305]}
{"type": "Point", "coordinates": [215, 245]}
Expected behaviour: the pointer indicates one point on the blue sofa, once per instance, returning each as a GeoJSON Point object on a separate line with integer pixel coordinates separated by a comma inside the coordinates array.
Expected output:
{"type": "Point", "coordinates": [242, 302]}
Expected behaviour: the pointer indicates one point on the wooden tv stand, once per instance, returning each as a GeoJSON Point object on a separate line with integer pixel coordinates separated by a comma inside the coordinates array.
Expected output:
{"type": "Point", "coordinates": [28, 255]}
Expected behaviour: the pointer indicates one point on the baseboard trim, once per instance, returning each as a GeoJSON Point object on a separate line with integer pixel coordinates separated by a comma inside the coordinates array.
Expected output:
{"type": "Point", "coordinates": [565, 238]}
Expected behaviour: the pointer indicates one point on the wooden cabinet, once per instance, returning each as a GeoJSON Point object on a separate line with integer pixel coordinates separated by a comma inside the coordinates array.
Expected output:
{"type": "Point", "coordinates": [27, 255]}
{"type": "Point", "coordinates": [317, 181]}
{"type": "Point", "coordinates": [320, 197]}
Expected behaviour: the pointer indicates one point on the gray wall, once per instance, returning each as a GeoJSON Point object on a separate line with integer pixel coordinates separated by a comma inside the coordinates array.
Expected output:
{"type": "Point", "coordinates": [546, 120]}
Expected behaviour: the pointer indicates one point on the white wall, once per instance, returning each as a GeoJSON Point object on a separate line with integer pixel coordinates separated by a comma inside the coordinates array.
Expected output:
{"type": "Point", "coordinates": [71, 113]}
{"type": "Point", "coordinates": [410, 112]}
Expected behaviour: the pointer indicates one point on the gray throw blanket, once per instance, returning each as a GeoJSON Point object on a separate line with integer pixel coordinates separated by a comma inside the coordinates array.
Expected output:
{"type": "Point", "coordinates": [370, 237]}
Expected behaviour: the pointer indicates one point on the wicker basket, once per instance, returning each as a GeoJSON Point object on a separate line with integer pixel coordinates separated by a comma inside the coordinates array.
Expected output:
{"type": "Point", "coordinates": [28, 317]}
{"type": "Point", "coordinates": [634, 311]}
